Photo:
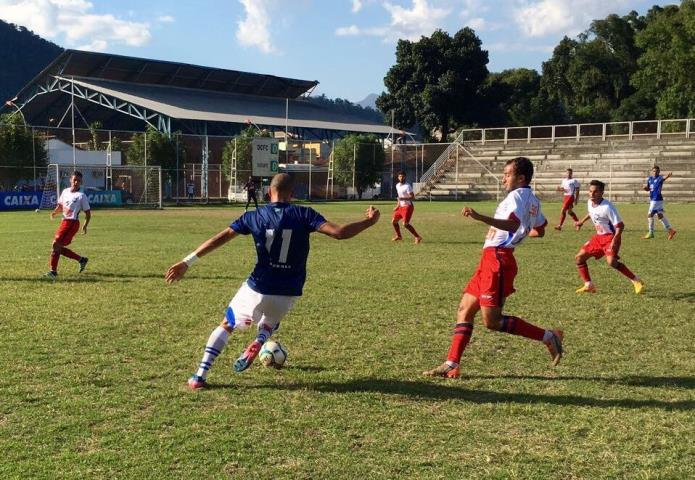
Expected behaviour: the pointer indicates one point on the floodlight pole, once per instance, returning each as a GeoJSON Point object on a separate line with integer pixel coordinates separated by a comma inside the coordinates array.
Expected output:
{"type": "Point", "coordinates": [72, 117]}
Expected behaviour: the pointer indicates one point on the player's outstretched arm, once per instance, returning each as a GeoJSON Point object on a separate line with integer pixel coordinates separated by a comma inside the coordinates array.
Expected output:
{"type": "Point", "coordinates": [179, 269]}
{"type": "Point", "coordinates": [582, 221]}
{"type": "Point", "coordinates": [349, 230]}
{"type": "Point", "coordinates": [508, 225]}
{"type": "Point", "coordinates": [87, 219]}
{"type": "Point", "coordinates": [667, 176]}
{"type": "Point", "coordinates": [57, 210]}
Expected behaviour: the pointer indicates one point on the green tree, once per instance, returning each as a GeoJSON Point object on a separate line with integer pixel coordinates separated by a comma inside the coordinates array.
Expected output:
{"type": "Point", "coordinates": [590, 76]}
{"type": "Point", "coordinates": [436, 82]}
{"type": "Point", "coordinates": [159, 147]}
{"type": "Point", "coordinates": [20, 150]}
{"type": "Point", "coordinates": [514, 99]}
{"type": "Point", "coordinates": [365, 154]}
{"type": "Point", "coordinates": [243, 143]}
{"type": "Point", "coordinates": [665, 76]}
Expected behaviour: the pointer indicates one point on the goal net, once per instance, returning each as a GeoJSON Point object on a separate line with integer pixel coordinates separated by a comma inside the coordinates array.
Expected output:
{"type": "Point", "coordinates": [130, 186]}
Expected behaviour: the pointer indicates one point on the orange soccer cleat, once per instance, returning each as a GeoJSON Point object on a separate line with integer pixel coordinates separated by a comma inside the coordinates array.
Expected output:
{"type": "Point", "coordinates": [671, 234]}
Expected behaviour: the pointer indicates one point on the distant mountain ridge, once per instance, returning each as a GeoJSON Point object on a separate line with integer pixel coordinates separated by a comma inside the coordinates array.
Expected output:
{"type": "Point", "coordinates": [369, 101]}
{"type": "Point", "coordinates": [23, 55]}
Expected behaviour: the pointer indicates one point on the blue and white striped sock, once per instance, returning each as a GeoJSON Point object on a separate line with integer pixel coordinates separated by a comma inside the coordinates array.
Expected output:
{"type": "Point", "coordinates": [216, 343]}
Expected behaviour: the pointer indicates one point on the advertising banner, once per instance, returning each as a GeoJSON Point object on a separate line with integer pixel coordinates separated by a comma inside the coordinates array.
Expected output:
{"type": "Point", "coordinates": [32, 200]}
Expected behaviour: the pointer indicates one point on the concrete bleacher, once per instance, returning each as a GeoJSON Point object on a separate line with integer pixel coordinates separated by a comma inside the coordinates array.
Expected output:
{"type": "Point", "coordinates": [622, 164]}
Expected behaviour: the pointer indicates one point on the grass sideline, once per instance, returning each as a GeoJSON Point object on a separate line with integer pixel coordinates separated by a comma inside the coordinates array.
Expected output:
{"type": "Point", "coordinates": [94, 365]}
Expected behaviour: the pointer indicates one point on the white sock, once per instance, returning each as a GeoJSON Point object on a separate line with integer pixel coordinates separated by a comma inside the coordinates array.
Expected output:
{"type": "Point", "coordinates": [665, 222]}
{"type": "Point", "coordinates": [452, 364]}
{"type": "Point", "coordinates": [216, 343]}
{"type": "Point", "coordinates": [651, 224]}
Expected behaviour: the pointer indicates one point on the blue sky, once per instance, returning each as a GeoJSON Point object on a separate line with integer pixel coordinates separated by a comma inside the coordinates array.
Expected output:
{"type": "Point", "coordinates": [347, 45]}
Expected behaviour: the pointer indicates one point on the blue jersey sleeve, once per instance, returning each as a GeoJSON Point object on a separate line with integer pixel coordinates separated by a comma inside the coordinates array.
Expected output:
{"type": "Point", "coordinates": [313, 219]}
{"type": "Point", "coordinates": [240, 225]}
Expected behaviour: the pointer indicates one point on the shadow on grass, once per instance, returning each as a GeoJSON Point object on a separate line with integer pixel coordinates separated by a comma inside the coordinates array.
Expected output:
{"type": "Point", "coordinates": [632, 380]}
{"type": "Point", "coordinates": [435, 391]}
{"type": "Point", "coordinates": [49, 281]}
{"type": "Point", "coordinates": [159, 276]}
{"type": "Point", "coordinates": [684, 296]}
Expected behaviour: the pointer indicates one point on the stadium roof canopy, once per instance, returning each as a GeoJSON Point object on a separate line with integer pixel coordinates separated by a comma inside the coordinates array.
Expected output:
{"type": "Point", "coordinates": [123, 92]}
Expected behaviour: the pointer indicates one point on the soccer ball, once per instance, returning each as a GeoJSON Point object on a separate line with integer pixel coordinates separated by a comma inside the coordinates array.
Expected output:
{"type": "Point", "coordinates": [272, 354]}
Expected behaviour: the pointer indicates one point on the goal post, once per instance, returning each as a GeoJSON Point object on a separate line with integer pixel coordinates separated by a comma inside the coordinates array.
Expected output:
{"type": "Point", "coordinates": [128, 186]}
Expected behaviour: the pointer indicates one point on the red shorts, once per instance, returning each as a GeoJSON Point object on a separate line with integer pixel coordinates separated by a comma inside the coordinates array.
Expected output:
{"type": "Point", "coordinates": [66, 230]}
{"type": "Point", "coordinates": [493, 281]}
{"type": "Point", "coordinates": [600, 245]}
{"type": "Point", "coordinates": [567, 202]}
{"type": "Point", "coordinates": [404, 213]}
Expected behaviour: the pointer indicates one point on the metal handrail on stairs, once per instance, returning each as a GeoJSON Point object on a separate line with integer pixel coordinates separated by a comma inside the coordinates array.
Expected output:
{"type": "Point", "coordinates": [426, 180]}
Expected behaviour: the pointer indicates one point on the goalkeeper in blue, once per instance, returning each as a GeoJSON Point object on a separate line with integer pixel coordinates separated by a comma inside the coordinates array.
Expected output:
{"type": "Point", "coordinates": [280, 233]}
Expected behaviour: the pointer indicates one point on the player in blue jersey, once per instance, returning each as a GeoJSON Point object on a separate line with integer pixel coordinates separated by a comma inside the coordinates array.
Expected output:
{"type": "Point", "coordinates": [281, 234]}
{"type": "Point", "coordinates": [656, 203]}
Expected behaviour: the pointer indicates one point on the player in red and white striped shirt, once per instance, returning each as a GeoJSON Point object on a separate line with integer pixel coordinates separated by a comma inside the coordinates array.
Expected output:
{"type": "Point", "coordinates": [71, 202]}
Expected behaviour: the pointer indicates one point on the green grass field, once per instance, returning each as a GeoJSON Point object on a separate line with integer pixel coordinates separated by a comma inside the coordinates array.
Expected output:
{"type": "Point", "coordinates": [94, 365]}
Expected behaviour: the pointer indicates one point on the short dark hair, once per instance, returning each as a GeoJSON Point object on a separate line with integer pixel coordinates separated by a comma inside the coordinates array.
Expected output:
{"type": "Point", "coordinates": [77, 174]}
{"type": "Point", "coordinates": [522, 166]}
{"type": "Point", "coordinates": [282, 182]}
{"type": "Point", "coordinates": [401, 172]}
{"type": "Point", "coordinates": [570, 170]}
{"type": "Point", "coordinates": [656, 166]}
{"type": "Point", "coordinates": [598, 184]}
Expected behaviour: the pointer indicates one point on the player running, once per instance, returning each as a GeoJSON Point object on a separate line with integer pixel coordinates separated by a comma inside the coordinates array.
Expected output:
{"type": "Point", "coordinates": [281, 234]}
{"type": "Point", "coordinates": [606, 240]}
{"type": "Point", "coordinates": [404, 209]}
{"type": "Point", "coordinates": [656, 203]}
{"type": "Point", "coordinates": [517, 216]}
{"type": "Point", "coordinates": [71, 202]}
{"type": "Point", "coordinates": [570, 187]}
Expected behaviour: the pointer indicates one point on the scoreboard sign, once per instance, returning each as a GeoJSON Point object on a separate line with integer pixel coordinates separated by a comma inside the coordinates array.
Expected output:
{"type": "Point", "coordinates": [264, 156]}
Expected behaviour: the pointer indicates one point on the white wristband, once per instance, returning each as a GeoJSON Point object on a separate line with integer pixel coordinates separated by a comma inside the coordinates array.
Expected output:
{"type": "Point", "coordinates": [190, 259]}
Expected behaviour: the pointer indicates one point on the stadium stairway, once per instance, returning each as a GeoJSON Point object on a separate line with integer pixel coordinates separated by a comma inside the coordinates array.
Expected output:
{"type": "Point", "coordinates": [622, 164]}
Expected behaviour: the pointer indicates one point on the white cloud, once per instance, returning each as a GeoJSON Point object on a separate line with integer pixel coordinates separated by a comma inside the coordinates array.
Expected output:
{"type": "Point", "coordinates": [477, 23]}
{"type": "Point", "coordinates": [253, 30]}
{"type": "Point", "coordinates": [421, 19]}
{"type": "Point", "coordinates": [166, 19]}
{"type": "Point", "coordinates": [74, 20]}
{"type": "Point", "coordinates": [538, 18]}
{"type": "Point", "coordinates": [407, 23]}
{"type": "Point", "coordinates": [356, 6]}
{"type": "Point", "coordinates": [348, 31]}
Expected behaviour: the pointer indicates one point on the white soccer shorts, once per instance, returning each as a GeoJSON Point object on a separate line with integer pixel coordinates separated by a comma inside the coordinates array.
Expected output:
{"type": "Point", "coordinates": [248, 307]}
{"type": "Point", "coordinates": [656, 206]}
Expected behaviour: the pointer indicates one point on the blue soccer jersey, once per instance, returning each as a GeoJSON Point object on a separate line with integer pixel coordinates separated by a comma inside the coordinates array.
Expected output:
{"type": "Point", "coordinates": [655, 184]}
{"type": "Point", "coordinates": [281, 234]}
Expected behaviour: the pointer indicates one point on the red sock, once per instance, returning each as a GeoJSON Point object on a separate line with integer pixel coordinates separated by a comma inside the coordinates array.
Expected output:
{"type": "Point", "coordinates": [584, 272]}
{"type": "Point", "coordinates": [54, 261]}
{"type": "Point", "coordinates": [574, 216]}
{"type": "Point", "coordinates": [459, 341]}
{"type": "Point", "coordinates": [66, 252]}
{"type": "Point", "coordinates": [562, 217]}
{"type": "Point", "coordinates": [397, 228]}
{"type": "Point", "coordinates": [411, 229]}
{"type": "Point", "coordinates": [518, 326]}
{"type": "Point", "coordinates": [625, 271]}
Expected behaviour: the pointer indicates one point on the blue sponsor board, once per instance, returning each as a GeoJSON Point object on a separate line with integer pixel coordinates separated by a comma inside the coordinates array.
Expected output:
{"type": "Point", "coordinates": [20, 200]}
{"type": "Point", "coordinates": [32, 200]}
